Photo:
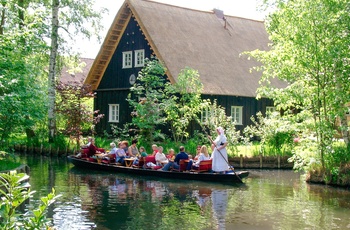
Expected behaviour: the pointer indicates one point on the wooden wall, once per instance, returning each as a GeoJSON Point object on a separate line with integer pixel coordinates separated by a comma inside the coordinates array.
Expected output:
{"type": "Point", "coordinates": [114, 86]}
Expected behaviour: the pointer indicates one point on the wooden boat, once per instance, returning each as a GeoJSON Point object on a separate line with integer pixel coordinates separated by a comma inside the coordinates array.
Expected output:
{"type": "Point", "coordinates": [229, 177]}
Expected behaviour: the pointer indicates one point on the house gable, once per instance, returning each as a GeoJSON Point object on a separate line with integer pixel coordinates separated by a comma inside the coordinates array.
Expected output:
{"type": "Point", "coordinates": [179, 37]}
{"type": "Point", "coordinates": [131, 41]}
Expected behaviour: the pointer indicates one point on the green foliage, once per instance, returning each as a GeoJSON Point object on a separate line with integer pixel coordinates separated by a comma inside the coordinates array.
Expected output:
{"type": "Point", "coordinates": [14, 192]}
{"type": "Point", "coordinates": [22, 93]}
{"type": "Point", "coordinates": [277, 132]}
{"type": "Point", "coordinates": [146, 97]}
{"type": "Point", "coordinates": [309, 47]}
{"type": "Point", "coordinates": [8, 161]}
{"type": "Point", "coordinates": [217, 117]}
{"type": "Point", "coordinates": [183, 102]}
{"type": "Point", "coordinates": [121, 133]}
{"type": "Point", "coordinates": [74, 110]}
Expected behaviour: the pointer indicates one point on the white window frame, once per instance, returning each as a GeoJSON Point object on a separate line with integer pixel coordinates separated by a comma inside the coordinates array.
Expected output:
{"type": "Point", "coordinates": [127, 59]}
{"type": "Point", "coordinates": [113, 113]}
{"type": "Point", "coordinates": [139, 58]}
{"type": "Point", "coordinates": [205, 115]}
{"type": "Point", "coordinates": [237, 114]}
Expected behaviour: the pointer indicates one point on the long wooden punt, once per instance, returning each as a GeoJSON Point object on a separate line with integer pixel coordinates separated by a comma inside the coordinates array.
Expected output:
{"type": "Point", "coordinates": [228, 177]}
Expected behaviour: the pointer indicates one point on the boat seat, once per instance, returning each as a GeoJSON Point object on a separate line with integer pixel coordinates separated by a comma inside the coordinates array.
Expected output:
{"type": "Point", "coordinates": [111, 160]}
{"type": "Point", "coordinates": [92, 159]}
{"type": "Point", "coordinates": [153, 160]}
{"type": "Point", "coordinates": [204, 166]}
{"type": "Point", "coordinates": [84, 153]}
{"type": "Point", "coordinates": [140, 164]}
{"type": "Point", "coordinates": [183, 165]}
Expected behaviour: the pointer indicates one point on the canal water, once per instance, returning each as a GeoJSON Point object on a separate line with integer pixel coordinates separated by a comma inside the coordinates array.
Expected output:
{"type": "Point", "coordinates": [269, 199]}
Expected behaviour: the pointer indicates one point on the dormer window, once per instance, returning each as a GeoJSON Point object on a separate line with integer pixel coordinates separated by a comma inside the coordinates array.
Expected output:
{"type": "Point", "coordinates": [139, 58]}
{"type": "Point", "coordinates": [127, 59]}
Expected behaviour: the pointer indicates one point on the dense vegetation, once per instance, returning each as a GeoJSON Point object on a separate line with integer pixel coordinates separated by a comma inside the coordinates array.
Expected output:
{"type": "Point", "coordinates": [309, 43]}
{"type": "Point", "coordinates": [309, 50]}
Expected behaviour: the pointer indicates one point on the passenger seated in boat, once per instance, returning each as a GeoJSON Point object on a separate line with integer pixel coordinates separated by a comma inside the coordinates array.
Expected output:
{"type": "Point", "coordinates": [121, 153]}
{"type": "Point", "coordinates": [204, 155]}
{"type": "Point", "coordinates": [133, 150]}
{"type": "Point", "coordinates": [92, 149]}
{"type": "Point", "coordinates": [161, 159]}
{"type": "Point", "coordinates": [89, 139]}
{"type": "Point", "coordinates": [126, 147]}
{"type": "Point", "coordinates": [198, 152]}
{"type": "Point", "coordinates": [112, 153]}
{"type": "Point", "coordinates": [182, 155]}
{"type": "Point", "coordinates": [171, 155]}
{"type": "Point", "coordinates": [154, 149]}
{"type": "Point", "coordinates": [142, 154]}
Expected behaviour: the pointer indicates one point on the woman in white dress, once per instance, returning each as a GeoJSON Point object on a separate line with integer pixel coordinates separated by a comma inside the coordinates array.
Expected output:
{"type": "Point", "coordinates": [220, 161]}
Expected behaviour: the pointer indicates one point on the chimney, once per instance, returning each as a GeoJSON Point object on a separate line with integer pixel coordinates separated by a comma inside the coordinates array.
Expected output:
{"type": "Point", "coordinates": [219, 13]}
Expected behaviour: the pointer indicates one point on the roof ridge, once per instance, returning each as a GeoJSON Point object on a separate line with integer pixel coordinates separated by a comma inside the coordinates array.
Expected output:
{"type": "Point", "coordinates": [182, 7]}
{"type": "Point", "coordinates": [198, 10]}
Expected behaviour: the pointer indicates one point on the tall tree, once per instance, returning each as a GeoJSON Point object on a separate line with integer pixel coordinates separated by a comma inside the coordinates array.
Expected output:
{"type": "Point", "coordinates": [52, 70]}
{"type": "Point", "coordinates": [309, 49]}
{"type": "Point", "coordinates": [29, 27]}
{"type": "Point", "coordinates": [22, 97]}
{"type": "Point", "coordinates": [69, 15]}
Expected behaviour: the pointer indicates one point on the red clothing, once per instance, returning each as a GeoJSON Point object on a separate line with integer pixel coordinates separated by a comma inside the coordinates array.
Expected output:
{"type": "Point", "coordinates": [92, 150]}
{"type": "Point", "coordinates": [154, 153]}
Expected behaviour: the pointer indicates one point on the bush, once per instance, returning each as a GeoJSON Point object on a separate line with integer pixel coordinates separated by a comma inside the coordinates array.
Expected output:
{"type": "Point", "coordinates": [14, 193]}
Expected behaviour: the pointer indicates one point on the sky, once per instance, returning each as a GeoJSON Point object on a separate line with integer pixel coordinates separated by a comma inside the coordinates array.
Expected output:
{"type": "Point", "coordinates": [240, 8]}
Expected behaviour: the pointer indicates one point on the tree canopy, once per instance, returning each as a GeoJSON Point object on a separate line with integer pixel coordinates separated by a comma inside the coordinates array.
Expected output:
{"type": "Point", "coordinates": [309, 49]}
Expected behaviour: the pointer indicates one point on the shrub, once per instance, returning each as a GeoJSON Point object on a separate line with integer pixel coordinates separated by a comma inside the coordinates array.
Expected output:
{"type": "Point", "coordinates": [13, 193]}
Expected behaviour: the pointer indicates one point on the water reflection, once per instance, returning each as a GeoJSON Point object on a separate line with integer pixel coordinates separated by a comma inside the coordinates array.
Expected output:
{"type": "Point", "coordinates": [219, 203]}
{"type": "Point", "coordinates": [270, 199]}
{"type": "Point", "coordinates": [120, 201]}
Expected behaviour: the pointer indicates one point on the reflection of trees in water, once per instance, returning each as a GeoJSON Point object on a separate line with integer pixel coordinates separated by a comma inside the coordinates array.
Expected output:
{"type": "Point", "coordinates": [270, 200]}
{"type": "Point", "coordinates": [146, 204]}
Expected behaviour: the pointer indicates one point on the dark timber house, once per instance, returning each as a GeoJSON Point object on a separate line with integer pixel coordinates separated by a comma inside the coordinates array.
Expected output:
{"type": "Point", "coordinates": [209, 42]}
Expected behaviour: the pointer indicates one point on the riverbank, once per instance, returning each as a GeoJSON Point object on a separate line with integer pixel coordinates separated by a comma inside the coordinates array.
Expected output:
{"type": "Point", "coordinates": [322, 176]}
{"type": "Point", "coordinates": [259, 162]}
{"type": "Point", "coordinates": [342, 179]}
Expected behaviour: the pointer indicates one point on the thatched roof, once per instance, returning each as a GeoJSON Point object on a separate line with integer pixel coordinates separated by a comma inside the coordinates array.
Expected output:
{"type": "Point", "coordinates": [200, 40]}
{"type": "Point", "coordinates": [78, 75]}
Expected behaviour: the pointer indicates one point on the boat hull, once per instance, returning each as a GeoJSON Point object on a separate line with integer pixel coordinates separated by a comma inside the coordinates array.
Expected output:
{"type": "Point", "coordinates": [209, 177]}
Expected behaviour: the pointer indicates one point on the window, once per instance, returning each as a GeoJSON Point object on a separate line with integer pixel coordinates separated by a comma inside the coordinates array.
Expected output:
{"type": "Point", "coordinates": [139, 58]}
{"type": "Point", "coordinates": [270, 110]}
{"type": "Point", "coordinates": [113, 113]}
{"type": "Point", "coordinates": [236, 113]}
{"type": "Point", "coordinates": [127, 59]}
{"type": "Point", "coordinates": [205, 115]}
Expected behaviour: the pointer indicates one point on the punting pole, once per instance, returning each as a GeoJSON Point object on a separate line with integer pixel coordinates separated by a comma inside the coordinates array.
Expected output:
{"type": "Point", "coordinates": [211, 140]}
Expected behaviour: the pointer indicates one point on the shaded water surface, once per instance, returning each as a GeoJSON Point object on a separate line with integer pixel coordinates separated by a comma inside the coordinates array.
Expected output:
{"type": "Point", "coordinates": [269, 199]}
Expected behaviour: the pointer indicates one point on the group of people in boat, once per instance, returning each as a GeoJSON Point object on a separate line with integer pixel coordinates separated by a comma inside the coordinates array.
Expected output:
{"type": "Point", "coordinates": [167, 161]}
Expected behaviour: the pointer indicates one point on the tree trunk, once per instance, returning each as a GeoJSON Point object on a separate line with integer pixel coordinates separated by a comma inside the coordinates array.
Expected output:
{"type": "Point", "coordinates": [21, 13]}
{"type": "Point", "coordinates": [2, 18]}
{"type": "Point", "coordinates": [344, 131]}
{"type": "Point", "coordinates": [52, 72]}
